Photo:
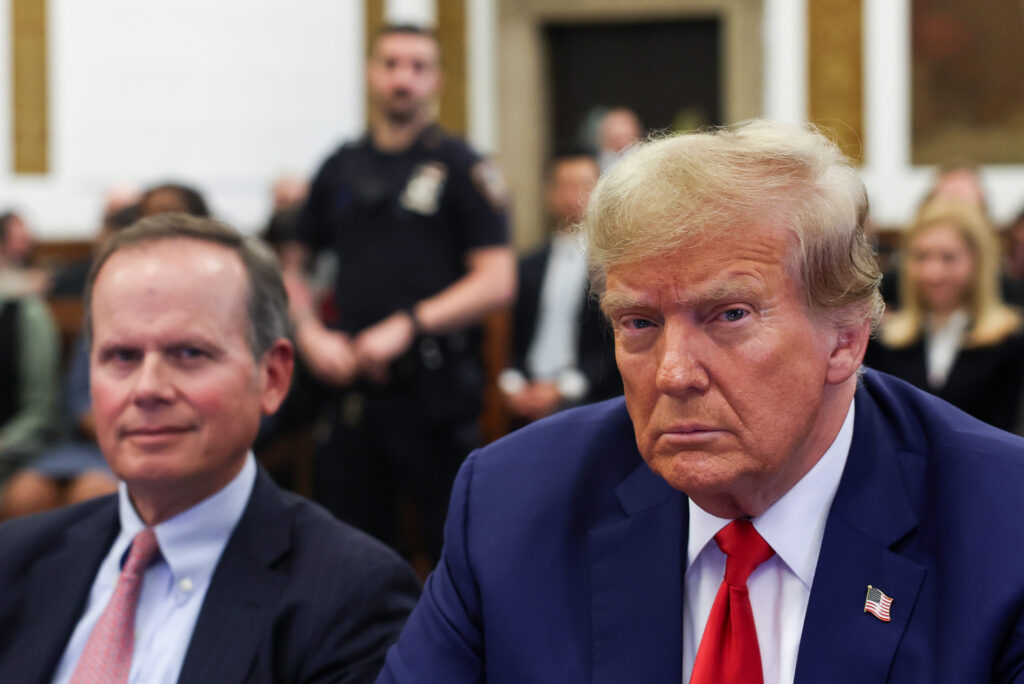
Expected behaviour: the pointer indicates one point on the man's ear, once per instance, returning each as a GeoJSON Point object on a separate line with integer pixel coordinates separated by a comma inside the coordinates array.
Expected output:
{"type": "Point", "coordinates": [276, 368]}
{"type": "Point", "coordinates": [848, 352]}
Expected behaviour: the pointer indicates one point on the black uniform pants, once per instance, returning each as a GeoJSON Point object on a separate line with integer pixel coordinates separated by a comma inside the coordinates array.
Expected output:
{"type": "Point", "coordinates": [381, 449]}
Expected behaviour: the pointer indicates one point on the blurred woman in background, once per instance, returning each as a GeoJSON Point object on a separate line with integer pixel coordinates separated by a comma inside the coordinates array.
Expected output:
{"type": "Point", "coordinates": [953, 335]}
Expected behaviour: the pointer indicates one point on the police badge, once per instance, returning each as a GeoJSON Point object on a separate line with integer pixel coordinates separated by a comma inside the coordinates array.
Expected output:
{"type": "Point", "coordinates": [423, 192]}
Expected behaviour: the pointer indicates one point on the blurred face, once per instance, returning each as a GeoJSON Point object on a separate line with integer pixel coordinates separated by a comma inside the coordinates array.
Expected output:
{"type": "Point", "coordinates": [176, 392]}
{"type": "Point", "coordinates": [403, 76]}
{"type": "Point", "coordinates": [734, 391]}
{"type": "Point", "coordinates": [619, 130]}
{"type": "Point", "coordinates": [569, 188]}
{"type": "Point", "coordinates": [941, 266]}
{"type": "Point", "coordinates": [163, 202]}
{"type": "Point", "coordinates": [961, 184]}
{"type": "Point", "coordinates": [17, 245]}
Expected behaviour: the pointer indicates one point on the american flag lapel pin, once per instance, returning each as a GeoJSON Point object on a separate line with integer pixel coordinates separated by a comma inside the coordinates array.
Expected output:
{"type": "Point", "coordinates": [878, 604]}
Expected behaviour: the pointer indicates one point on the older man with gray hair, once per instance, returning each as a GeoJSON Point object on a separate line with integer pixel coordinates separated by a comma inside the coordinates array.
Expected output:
{"type": "Point", "coordinates": [757, 508]}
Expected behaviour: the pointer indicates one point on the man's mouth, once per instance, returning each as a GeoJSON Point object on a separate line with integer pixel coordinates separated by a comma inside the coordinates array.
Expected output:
{"type": "Point", "coordinates": [154, 431]}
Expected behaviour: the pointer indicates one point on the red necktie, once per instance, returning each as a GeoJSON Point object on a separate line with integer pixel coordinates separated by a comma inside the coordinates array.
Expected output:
{"type": "Point", "coordinates": [728, 652]}
{"type": "Point", "coordinates": [107, 658]}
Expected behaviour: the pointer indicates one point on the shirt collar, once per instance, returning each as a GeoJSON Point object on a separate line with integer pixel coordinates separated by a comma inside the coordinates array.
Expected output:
{"type": "Point", "coordinates": [569, 240]}
{"type": "Point", "coordinates": [956, 324]}
{"type": "Point", "coordinates": [794, 525]}
{"type": "Point", "coordinates": [192, 541]}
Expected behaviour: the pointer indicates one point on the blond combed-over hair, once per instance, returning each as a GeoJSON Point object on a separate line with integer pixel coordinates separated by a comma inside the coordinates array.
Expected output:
{"type": "Point", "coordinates": [992, 320]}
{"type": "Point", "coordinates": [674, 190]}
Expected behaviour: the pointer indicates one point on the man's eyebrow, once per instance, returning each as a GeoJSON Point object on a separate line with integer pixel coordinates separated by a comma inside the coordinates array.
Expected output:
{"type": "Point", "coordinates": [743, 287]}
{"type": "Point", "coordinates": [611, 301]}
{"type": "Point", "coordinates": [735, 287]}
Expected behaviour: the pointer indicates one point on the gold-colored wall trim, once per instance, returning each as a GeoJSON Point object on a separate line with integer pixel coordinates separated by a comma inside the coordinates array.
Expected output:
{"type": "Point", "coordinates": [30, 122]}
{"type": "Point", "coordinates": [451, 34]}
{"type": "Point", "coordinates": [835, 79]}
{"type": "Point", "coordinates": [373, 13]}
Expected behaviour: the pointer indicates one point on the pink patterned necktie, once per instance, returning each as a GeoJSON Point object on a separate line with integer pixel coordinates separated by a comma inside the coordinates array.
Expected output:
{"type": "Point", "coordinates": [107, 658]}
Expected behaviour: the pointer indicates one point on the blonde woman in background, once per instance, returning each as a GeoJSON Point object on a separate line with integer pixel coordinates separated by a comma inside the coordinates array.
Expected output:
{"type": "Point", "coordinates": [953, 335]}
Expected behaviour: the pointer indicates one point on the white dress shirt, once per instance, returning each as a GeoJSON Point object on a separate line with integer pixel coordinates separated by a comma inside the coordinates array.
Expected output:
{"type": "Point", "coordinates": [554, 344]}
{"type": "Point", "coordinates": [781, 586]}
{"type": "Point", "coordinates": [174, 586]}
{"type": "Point", "coordinates": [942, 345]}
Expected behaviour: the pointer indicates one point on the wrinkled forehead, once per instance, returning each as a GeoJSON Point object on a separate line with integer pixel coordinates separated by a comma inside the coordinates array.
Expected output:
{"type": "Point", "coordinates": [177, 268]}
{"type": "Point", "coordinates": [666, 244]}
{"type": "Point", "coordinates": [186, 255]}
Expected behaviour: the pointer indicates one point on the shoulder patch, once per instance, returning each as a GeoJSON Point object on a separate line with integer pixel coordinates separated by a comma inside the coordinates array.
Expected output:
{"type": "Point", "coordinates": [490, 182]}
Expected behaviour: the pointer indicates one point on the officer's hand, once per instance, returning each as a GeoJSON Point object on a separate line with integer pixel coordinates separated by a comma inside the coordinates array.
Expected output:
{"type": "Point", "coordinates": [383, 342]}
{"type": "Point", "coordinates": [330, 354]}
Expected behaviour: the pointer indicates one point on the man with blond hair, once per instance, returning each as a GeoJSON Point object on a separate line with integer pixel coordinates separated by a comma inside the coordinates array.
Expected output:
{"type": "Point", "coordinates": [757, 508]}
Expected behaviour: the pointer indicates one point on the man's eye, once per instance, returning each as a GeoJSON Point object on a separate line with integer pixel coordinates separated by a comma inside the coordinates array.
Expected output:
{"type": "Point", "coordinates": [638, 323]}
{"type": "Point", "coordinates": [188, 353]}
{"type": "Point", "coordinates": [733, 315]}
{"type": "Point", "coordinates": [122, 355]}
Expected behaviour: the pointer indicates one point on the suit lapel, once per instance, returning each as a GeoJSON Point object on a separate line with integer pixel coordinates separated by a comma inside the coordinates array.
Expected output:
{"type": "Point", "coordinates": [243, 592]}
{"type": "Point", "coordinates": [59, 587]}
{"type": "Point", "coordinates": [636, 564]}
{"type": "Point", "coordinates": [870, 515]}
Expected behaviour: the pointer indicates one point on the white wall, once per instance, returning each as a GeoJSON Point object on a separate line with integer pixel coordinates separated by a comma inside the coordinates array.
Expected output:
{"type": "Point", "coordinates": [221, 93]}
{"type": "Point", "coordinates": [894, 185]}
{"type": "Point", "coordinates": [785, 60]}
{"type": "Point", "coordinates": [229, 93]}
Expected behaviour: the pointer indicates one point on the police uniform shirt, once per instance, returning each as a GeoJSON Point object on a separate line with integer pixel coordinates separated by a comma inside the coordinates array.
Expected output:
{"type": "Point", "coordinates": [401, 224]}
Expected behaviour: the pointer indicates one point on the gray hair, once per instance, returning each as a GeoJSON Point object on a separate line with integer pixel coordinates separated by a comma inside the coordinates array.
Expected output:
{"type": "Point", "coordinates": [266, 299]}
{"type": "Point", "coordinates": [670, 191]}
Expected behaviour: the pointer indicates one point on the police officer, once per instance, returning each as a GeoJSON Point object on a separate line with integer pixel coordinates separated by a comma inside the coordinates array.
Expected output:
{"type": "Point", "coordinates": [417, 222]}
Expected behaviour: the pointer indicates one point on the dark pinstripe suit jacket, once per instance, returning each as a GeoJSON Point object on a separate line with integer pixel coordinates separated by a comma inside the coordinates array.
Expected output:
{"type": "Point", "coordinates": [296, 597]}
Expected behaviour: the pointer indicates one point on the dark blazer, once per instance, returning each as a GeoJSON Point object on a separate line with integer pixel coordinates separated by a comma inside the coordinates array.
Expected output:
{"type": "Point", "coordinates": [565, 556]}
{"type": "Point", "coordinates": [296, 597]}
{"type": "Point", "coordinates": [986, 382]}
{"type": "Point", "coordinates": [595, 350]}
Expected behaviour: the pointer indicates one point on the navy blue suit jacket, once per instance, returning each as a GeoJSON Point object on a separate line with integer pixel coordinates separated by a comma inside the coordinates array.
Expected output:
{"type": "Point", "coordinates": [565, 555]}
{"type": "Point", "coordinates": [296, 597]}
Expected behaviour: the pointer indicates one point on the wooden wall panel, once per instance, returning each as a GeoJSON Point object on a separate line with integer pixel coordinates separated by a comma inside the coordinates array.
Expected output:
{"type": "Point", "coordinates": [451, 33]}
{"type": "Point", "coordinates": [835, 71]}
{"type": "Point", "coordinates": [374, 19]}
{"type": "Point", "coordinates": [30, 128]}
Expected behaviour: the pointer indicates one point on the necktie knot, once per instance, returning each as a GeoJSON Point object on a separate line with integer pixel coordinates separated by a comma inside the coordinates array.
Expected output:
{"type": "Point", "coordinates": [144, 549]}
{"type": "Point", "coordinates": [745, 550]}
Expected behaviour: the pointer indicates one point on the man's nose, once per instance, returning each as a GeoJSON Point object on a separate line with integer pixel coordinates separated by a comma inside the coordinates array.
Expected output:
{"type": "Point", "coordinates": [680, 368]}
{"type": "Point", "coordinates": [402, 75]}
{"type": "Point", "coordinates": [153, 383]}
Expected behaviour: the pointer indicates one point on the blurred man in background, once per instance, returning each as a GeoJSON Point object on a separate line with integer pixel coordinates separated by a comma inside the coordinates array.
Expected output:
{"type": "Point", "coordinates": [618, 130]}
{"type": "Point", "coordinates": [562, 351]}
